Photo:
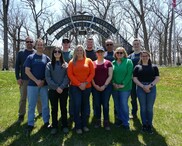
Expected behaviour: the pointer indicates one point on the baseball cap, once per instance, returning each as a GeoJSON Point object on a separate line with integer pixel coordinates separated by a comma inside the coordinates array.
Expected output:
{"type": "Point", "coordinates": [65, 39]}
{"type": "Point", "coordinates": [100, 49]}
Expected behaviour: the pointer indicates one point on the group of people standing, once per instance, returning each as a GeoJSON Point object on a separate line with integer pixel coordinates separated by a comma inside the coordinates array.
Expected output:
{"type": "Point", "coordinates": [82, 72]}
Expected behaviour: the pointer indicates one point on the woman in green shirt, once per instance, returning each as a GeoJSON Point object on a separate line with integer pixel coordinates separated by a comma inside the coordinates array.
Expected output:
{"type": "Point", "coordinates": [122, 84]}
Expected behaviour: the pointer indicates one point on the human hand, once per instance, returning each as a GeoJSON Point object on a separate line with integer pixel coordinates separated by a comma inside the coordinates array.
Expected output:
{"type": "Point", "coordinates": [59, 90]}
{"type": "Point", "coordinates": [19, 82]}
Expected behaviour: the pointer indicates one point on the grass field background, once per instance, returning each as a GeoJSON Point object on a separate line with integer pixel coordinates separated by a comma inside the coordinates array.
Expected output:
{"type": "Point", "coordinates": [167, 120]}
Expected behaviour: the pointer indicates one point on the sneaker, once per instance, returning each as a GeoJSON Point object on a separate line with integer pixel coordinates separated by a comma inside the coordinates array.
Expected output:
{"type": "Point", "coordinates": [149, 129]}
{"type": "Point", "coordinates": [97, 124]}
{"type": "Point", "coordinates": [106, 126]}
{"type": "Point", "coordinates": [65, 130]}
{"type": "Point", "coordinates": [70, 121]}
{"type": "Point", "coordinates": [85, 129]}
{"type": "Point", "coordinates": [20, 119]}
{"type": "Point", "coordinates": [53, 131]}
{"type": "Point", "coordinates": [28, 130]}
{"type": "Point", "coordinates": [47, 125]}
{"type": "Point", "coordinates": [39, 115]}
{"type": "Point", "coordinates": [118, 123]}
{"type": "Point", "coordinates": [79, 131]}
{"type": "Point", "coordinates": [144, 128]}
{"type": "Point", "coordinates": [126, 127]}
{"type": "Point", "coordinates": [133, 116]}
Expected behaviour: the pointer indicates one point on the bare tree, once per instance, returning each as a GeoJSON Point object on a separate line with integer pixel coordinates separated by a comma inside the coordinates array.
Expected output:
{"type": "Point", "coordinates": [15, 22]}
{"type": "Point", "coordinates": [37, 13]}
{"type": "Point", "coordinates": [141, 10]}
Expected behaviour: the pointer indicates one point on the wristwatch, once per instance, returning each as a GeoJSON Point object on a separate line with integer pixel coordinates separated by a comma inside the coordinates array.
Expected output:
{"type": "Point", "coordinates": [151, 85]}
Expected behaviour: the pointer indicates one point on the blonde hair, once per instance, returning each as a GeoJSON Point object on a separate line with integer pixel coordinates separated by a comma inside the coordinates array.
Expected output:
{"type": "Point", "coordinates": [39, 40]}
{"type": "Point", "coordinates": [75, 57]}
{"type": "Point", "coordinates": [123, 50]}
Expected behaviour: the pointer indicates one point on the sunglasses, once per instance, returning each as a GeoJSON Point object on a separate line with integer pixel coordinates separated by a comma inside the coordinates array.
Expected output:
{"type": "Point", "coordinates": [119, 52]}
{"type": "Point", "coordinates": [29, 41]}
{"type": "Point", "coordinates": [109, 44]}
{"type": "Point", "coordinates": [57, 51]}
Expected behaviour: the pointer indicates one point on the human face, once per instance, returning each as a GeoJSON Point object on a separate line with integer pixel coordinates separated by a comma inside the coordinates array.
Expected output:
{"type": "Point", "coordinates": [79, 52]}
{"type": "Point", "coordinates": [100, 54]}
{"type": "Point", "coordinates": [119, 54]}
{"type": "Point", "coordinates": [136, 45]}
{"type": "Point", "coordinates": [39, 46]}
{"type": "Point", "coordinates": [57, 54]}
{"type": "Point", "coordinates": [29, 43]}
{"type": "Point", "coordinates": [145, 57]}
{"type": "Point", "coordinates": [90, 44]}
{"type": "Point", "coordinates": [66, 45]}
{"type": "Point", "coordinates": [109, 46]}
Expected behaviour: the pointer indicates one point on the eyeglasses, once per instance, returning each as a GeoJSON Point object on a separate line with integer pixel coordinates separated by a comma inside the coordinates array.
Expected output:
{"type": "Point", "coordinates": [145, 56]}
{"type": "Point", "coordinates": [57, 51]}
{"type": "Point", "coordinates": [119, 52]}
{"type": "Point", "coordinates": [29, 41]}
{"type": "Point", "coordinates": [109, 44]}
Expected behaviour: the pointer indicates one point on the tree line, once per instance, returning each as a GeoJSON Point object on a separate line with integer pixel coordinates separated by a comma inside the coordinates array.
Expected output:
{"type": "Point", "coordinates": [156, 22]}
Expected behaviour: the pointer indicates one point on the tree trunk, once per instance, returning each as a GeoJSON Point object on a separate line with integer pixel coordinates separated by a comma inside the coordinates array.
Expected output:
{"type": "Point", "coordinates": [5, 22]}
{"type": "Point", "coordinates": [160, 49]}
{"type": "Point", "coordinates": [170, 39]}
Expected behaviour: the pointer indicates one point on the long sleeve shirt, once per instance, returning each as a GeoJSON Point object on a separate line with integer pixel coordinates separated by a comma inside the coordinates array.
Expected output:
{"type": "Point", "coordinates": [19, 66]}
{"type": "Point", "coordinates": [56, 77]}
{"type": "Point", "coordinates": [80, 72]}
{"type": "Point", "coordinates": [122, 73]}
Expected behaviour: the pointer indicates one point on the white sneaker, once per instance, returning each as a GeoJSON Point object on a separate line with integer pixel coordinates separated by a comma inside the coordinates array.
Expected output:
{"type": "Point", "coordinates": [85, 129]}
{"type": "Point", "coordinates": [79, 131]}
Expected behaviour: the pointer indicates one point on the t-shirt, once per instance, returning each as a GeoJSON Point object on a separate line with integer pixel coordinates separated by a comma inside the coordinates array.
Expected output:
{"type": "Point", "coordinates": [135, 58]}
{"type": "Point", "coordinates": [37, 64]}
{"type": "Point", "coordinates": [91, 54]}
{"type": "Point", "coordinates": [146, 73]}
{"type": "Point", "coordinates": [109, 56]}
{"type": "Point", "coordinates": [101, 72]}
{"type": "Point", "coordinates": [67, 55]}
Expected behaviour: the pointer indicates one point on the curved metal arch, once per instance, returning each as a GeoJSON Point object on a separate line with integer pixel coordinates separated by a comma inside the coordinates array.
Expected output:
{"type": "Point", "coordinates": [79, 24]}
{"type": "Point", "coordinates": [89, 18]}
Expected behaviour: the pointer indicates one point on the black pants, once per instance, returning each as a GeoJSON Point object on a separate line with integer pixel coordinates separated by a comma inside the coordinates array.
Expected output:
{"type": "Point", "coordinates": [55, 97]}
{"type": "Point", "coordinates": [134, 99]}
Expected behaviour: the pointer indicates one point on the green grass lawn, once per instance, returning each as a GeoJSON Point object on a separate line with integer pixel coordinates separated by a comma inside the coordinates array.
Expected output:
{"type": "Point", "coordinates": [167, 120]}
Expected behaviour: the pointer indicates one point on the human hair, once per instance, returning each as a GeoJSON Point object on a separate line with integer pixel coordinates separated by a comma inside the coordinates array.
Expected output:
{"type": "Point", "coordinates": [108, 40]}
{"type": "Point", "coordinates": [39, 40]}
{"type": "Point", "coordinates": [75, 57]}
{"type": "Point", "coordinates": [61, 59]}
{"type": "Point", "coordinates": [144, 52]}
{"type": "Point", "coordinates": [123, 50]}
{"type": "Point", "coordinates": [136, 40]}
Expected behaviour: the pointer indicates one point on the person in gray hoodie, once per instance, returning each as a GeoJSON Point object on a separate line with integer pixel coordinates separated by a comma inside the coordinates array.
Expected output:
{"type": "Point", "coordinates": [57, 79]}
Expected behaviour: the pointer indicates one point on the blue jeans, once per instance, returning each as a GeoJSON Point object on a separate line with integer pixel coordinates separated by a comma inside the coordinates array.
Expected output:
{"type": "Point", "coordinates": [146, 101]}
{"type": "Point", "coordinates": [116, 103]}
{"type": "Point", "coordinates": [123, 108]}
{"type": "Point", "coordinates": [80, 100]}
{"type": "Point", "coordinates": [102, 98]}
{"type": "Point", "coordinates": [33, 94]}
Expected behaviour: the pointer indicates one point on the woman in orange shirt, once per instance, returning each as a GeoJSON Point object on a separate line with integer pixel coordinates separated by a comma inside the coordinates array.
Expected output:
{"type": "Point", "coordinates": [80, 72]}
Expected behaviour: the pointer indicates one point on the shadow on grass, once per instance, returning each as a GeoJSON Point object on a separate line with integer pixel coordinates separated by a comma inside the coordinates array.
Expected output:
{"type": "Point", "coordinates": [95, 137]}
{"type": "Point", "coordinates": [149, 139]}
